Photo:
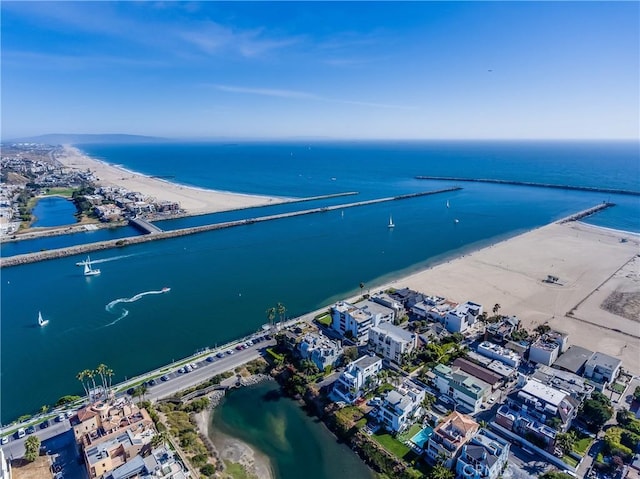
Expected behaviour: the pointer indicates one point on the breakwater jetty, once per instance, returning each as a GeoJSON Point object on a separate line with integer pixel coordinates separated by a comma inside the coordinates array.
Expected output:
{"type": "Point", "coordinates": [593, 189]}
{"type": "Point", "coordinates": [109, 244]}
{"type": "Point", "coordinates": [584, 213]}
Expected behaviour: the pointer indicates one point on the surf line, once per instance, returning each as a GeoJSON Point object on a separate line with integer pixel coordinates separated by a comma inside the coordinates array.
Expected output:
{"type": "Point", "coordinates": [110, 308]}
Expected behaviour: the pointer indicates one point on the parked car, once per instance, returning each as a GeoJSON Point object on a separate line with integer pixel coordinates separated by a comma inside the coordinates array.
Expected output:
{"type": "Point", "coordinates": [44, 424]}
{"type": "Point", "coordinates": [193, 366]}
{"type": "Point", "coordinates": [152, 382]}
{"type": "Point", "coordinates": [31, 430]}
{"type": "Point", "coordinates": [131, 391]}
{"type": "Point", "coordinates": [61, 417]}
{"type": "Point", "coordinates": [4, 440]}
{"type": "Point", "coordinates": [165, 378]}
{"type": "Point", "coordinates": [20, 433]}
{"type": "Point", "coordinates": [220, 355]}
{"type": "Point", "coordinates": [210, 359]}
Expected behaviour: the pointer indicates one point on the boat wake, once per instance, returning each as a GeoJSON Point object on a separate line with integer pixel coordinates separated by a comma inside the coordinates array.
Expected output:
{"type": "Point", "coordinates": [123, 313]}
{"type": "Point", "coordinates": [105, 260]}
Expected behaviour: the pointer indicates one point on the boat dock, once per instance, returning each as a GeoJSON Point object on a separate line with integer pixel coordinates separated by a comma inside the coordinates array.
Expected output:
{"type": "Point", "coordinates": [145, 226]}
{"type": "Point", "coordinates": [108, 244]}
{"type": "Point", "coordinates": [593, 189]}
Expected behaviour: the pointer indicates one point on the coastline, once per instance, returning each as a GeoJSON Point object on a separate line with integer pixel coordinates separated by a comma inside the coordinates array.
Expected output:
{"type": "Point", "coordinates": [193, 200]}
{"type": "Point", "coordinates": [586, 258]}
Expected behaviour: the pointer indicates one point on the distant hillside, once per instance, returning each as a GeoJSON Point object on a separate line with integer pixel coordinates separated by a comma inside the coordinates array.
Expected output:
{"type": "Point", "coordinates": [79, 139]}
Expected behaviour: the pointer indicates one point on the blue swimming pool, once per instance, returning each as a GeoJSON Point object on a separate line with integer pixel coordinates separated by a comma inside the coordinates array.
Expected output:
{"type": "Point", "coordinates": [422, 436]}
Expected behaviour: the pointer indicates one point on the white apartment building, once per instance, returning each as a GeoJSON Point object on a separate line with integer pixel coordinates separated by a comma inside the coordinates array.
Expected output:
{"type": "Point", "coordinates": [462, 317]}
{"type": "Point", "coordinates": [401, 406]}
{"type": "Point", "coordinates": [391, 342]}
{"type": "Point", "coordinates": [358, 377]}
{"type": "Point", "coordinates": [493, 351]}
{"type": "Point", "coordinates": [355, 320]}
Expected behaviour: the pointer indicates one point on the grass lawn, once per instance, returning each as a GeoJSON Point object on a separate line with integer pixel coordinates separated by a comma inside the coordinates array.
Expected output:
{"type": "Point", "coordinates": [582, 445]}
{"type": "Point", "coordinates": [617, 387]}
{"type": "Point", "coordinates": [394, 446]}
{"type": "Point", "coordinates": [237, 471]}
{"type": "Point", "coordinates": [570, 460]}
{"type": "Point", "coordinates": [324, 319]}
{"type": "Point", "coordinates": [67, 192]}
{"type": "Point", "coordinates": [409, 433]}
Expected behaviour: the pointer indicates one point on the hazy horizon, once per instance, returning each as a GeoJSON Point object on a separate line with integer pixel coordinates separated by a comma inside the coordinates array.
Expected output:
{"type": "Point", "coordinates": [323, 70]}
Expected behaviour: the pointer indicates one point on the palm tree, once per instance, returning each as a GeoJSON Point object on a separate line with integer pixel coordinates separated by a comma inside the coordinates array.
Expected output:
{"type": "Point", "coordinates": [44, 409]}
{"type": "Point", "coordinates": [281, 311]}
{"type": "Point", "coordinates": [271, 314]}
{"type": "Point", "coordinates": [109, 375]}
{"type": "Point", "coordinates": [140, 391]}
{"type": "Point", "coordinates": [566, 441]}
{"type": "Point", "coordinates": [361, 287]}
{"type": "Point", "coordinates": [81, 376]}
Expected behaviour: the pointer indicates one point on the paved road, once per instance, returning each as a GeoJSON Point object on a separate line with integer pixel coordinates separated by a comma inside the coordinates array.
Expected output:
{"type": "Point", "coordinates": [205, 370]}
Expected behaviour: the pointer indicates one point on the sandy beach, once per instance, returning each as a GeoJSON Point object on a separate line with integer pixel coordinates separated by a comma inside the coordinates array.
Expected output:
{"type": "Point", "coordinates": [193, 201]}
{"type": "Point", "coordinates": [586, 259]}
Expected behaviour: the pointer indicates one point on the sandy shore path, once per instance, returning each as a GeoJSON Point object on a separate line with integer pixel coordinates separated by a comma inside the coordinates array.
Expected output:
{"type": "Point", "coordinates": [193, 200]}
{"type": "Point", "coordinates": [584, 258]}
{"type": "Point", "coordinates": [234, 450]}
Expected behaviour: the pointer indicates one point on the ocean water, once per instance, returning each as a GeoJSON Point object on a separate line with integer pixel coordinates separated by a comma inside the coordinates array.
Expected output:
{"type": "Point", "coordinates": [222, 282]}
{"type": "Point", "coordinates": [298, 445]}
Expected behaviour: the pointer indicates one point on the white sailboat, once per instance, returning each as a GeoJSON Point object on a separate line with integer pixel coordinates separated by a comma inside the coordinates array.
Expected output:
{"type": "Point", "coordinates": [447, 203]}
{"type": "Point", "coordinates": [390, 225]}
{"type": "Point", "coordinates": [42, 322]}
{"type": "Point", "coordinates": [88, 270]}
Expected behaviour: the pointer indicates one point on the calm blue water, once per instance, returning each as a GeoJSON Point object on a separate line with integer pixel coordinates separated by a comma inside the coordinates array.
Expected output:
{"type": "Point", "coordinates": [292, 440]}
{"type": "Point", "coordinates": [223, 281]}
{"type": "Point", "coordinates": [54, 211]}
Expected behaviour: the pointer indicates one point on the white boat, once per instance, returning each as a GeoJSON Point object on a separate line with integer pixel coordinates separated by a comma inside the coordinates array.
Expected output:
{"type": "Point", "coordinates": [456, 221]}
{"type": "Point", "coordinates": [42, 322]}
{"type": "Point", "coordinates": [390, 225]}
{"type": "Point", "coordinates": [88, 270]}
{"type": "Point", "coordinates": [447, 203]}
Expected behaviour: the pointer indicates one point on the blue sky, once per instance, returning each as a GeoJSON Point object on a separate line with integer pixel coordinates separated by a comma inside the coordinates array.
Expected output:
{"type": "Point", "coordinates": [423, 70]}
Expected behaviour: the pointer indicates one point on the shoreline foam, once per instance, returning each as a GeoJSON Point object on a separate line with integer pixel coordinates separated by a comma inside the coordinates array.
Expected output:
{"type": "Point", "coordinates": [193, 200]}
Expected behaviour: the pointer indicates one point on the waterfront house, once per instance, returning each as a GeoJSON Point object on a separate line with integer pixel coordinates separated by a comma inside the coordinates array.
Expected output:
{"type": "Point", "coordinates": [358, 377]}
{"type": "Point", "coordinates": [401, 406]}
{"type": "Point", "coordinates": [544, 351]}
{"type": "Point", "coordinates": [602, 368]}
{"type": "Point", "coordinates": [407, 297]}
{"type": "Point", "coordinates": [467, 391]}
{"type": "Point", "coordinates": [385, 300]}
{"type": "Point", "coordinates": [573, 360]}
{"type": "Point", "coordinates": [391, 342]}
{"type": "Point", "coordinates": [493, 351]}
{"type": "Point", "coordinates": [460, 318]}
{"type": "Point", "coordinates": [449, 436]}
{"type": "Point", "coordinates": [353, 321]}
{"type": "Point", "coordinates": [323, 351]}
{"type": "Point", "coordinates": [483, 457]}
{"type": "Point", "coordinates": [502, 329]}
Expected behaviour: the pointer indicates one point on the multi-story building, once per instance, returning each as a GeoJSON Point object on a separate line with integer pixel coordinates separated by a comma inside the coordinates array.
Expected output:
{"type": "Point", "coordinates": [160, 464]}
{"type": "Point", "coordinates": [353, 321]}
{"type": "Point", "coordinates": [462, 317]}
{"type": "Point", "coordinates": [321, 350]}
{"type": "Point", "coordinates": [501, 330]}
{"type": "Point", "coordinates": [115, 450]}
{"type": "Point", "coordinates": [448, 438]}
{"type": "Point", "coordinates": [401, 406]}
{"type": "Point", "coordinates": [602, 368]}
{"type": "Point", "coordinates": [578, 387]}
{"type": "Point", "coordinates": [544, 351]}
{"type": "Point", "coordinates": [484, 457]}
{"type": "Point", "coordinates": [391, 342]}
{"type": "Point", "coordinates": [493, 351]}
{"type": "Point", "coordinates": [467, 391]}
{"type": "Point", "coordinates": [357, 378]}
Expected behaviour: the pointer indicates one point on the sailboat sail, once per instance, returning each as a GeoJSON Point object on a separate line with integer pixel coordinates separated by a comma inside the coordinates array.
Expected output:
{"type": "Point", "coordinates": [391, 225]}
{"type": "Point", "coordinates": [42, 322]}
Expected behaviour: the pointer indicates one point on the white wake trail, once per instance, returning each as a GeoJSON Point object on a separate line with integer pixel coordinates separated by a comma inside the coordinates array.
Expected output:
{"type": "Point", "coordinates": [111, 307]}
